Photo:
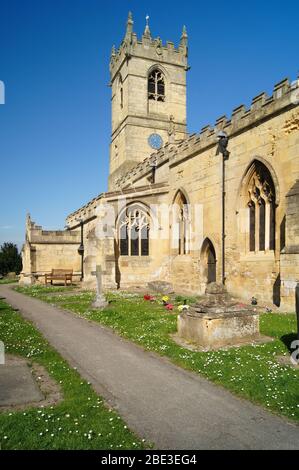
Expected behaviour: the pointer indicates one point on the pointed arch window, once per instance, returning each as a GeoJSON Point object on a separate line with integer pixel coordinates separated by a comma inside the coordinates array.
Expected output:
{"type": "Point", "coordinates": [262, 227]}
{"type": "Point", "coordinates": [181, 224]}
{"type": "Point", "coordinates": [251, 205]}
{"type": "Point", "coordinates": [156, 85]}
{"type": "Point", "coordinates": [133, 232]}
{"type": "Point", "coordinates": [272, 225]}
{"type": "Point", "coordinates": [261, 209]}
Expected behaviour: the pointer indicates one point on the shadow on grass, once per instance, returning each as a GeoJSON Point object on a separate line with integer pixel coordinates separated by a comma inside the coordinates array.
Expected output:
{"type": "Point", "coordinates": [288, 339]}
{"type": "Point", "coordinates": [4, 306]}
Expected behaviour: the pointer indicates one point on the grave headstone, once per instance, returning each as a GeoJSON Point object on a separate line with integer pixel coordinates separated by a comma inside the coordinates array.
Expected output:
{"type": "Point", "coordinates": [100, 300]}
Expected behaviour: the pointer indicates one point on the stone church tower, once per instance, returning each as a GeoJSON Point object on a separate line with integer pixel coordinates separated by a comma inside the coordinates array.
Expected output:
{"type": "Point", "coordinates": [148, 81]}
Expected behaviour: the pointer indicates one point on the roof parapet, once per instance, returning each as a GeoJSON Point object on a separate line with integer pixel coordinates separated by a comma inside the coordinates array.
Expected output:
{"type": "Point", "coordinates": [258, 101]}
{"type": "Point", "coordinates": [240, 119]}
{"type": "Point", "coordinates": [281, 88]}
{"type": "Point", "coordinates": [238, 112]}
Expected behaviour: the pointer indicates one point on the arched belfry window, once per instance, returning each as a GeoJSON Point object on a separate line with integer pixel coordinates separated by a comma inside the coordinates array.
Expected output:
{"type": "Point", "coordinates": [261, 208]}
{"type": "Point", "coordinates": [156, 85]}
{"type": "Point", "coordinates": [181, 224]}
{"type": "Point", "coordinates": [133, 232]}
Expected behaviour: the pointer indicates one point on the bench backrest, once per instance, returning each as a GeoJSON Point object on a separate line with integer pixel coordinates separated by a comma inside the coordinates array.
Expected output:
{"type": "Point", "coordinates": [56, 272]}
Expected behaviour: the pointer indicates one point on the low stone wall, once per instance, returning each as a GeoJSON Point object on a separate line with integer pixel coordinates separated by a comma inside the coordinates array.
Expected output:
{"type": "Point", "coordinates": [47, 250]}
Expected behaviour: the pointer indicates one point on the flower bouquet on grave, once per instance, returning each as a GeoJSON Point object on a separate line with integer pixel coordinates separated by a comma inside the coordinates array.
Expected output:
{"type": "Point", "coordinates": [169, 307]}
{"type": "Point", "coordinates": [183, 307]}
{"type": "Point", "coordinates": [149, 297]}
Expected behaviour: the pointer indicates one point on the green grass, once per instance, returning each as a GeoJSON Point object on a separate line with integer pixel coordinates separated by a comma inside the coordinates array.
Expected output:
{"type": "Point", "coordinates": [80, 421]}
{"type": "Point", "coordinates": [39, 289]}
{"type": "Point", "coordinates": [8, 281]}
{"type": "Point", "coordinates": [249, 371]}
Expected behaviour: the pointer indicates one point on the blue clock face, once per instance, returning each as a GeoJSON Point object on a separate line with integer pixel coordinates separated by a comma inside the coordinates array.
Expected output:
{"type": "Point", "coordinates": [155, 141]}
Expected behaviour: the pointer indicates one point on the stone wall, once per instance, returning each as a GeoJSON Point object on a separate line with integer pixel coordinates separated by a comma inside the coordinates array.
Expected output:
{"type": "Point", "coordinates": [45, 250]}
{"type": "Point", "coordinates": [267, 133]}
{"type": "Point", "coordinates": [289, 264]}
{"type": "Point", "coordinates": [198, 173]}
{"type": "Point", "coordinates": [101, 243]}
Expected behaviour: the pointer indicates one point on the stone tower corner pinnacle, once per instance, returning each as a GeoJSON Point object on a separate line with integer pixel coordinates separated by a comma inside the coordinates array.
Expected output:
{"type": "Point", "coordinates": [147, 32]}
{"type": "Point", "coordinates": [129, 29]}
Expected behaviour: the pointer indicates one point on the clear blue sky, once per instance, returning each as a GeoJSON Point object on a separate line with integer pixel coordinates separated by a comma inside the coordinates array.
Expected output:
{"type": "Point", "coordinates": [54, 56]}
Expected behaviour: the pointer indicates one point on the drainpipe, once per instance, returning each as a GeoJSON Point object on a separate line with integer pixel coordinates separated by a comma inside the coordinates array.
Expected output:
{"type": "Point", "coordinates": [153, 166]}
{"type": "Point", "coordinates": [223, 220]}
{"type": "Point", "coordinates": [222, 148]}
{"type": "Point", "coordinates": [81, 250]}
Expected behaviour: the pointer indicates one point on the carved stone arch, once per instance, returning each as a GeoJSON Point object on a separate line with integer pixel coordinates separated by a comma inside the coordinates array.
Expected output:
{"type": "Point", "coordinates": [157, 84]}
{"type": "Point", "coordinates": [180, 223]}
{"type": "Point", "coordinates": [139, 203]}
{"type": "Point", "coordinates": [183, 192]}
{"type": "Point", "coordinates": [161, 68]}
{"type": "Point", "coordinates": [257, 201]}
{"type": "Point", "coordinates": [247, 174]}
{"type": "Point", "coordinates": [208, 260]}
{"type": "Point", "coordinates": [132, 228]}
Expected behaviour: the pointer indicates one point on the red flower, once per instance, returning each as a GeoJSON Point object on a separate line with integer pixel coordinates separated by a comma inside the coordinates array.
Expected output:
{"type": "Point", "coordinates": [149, 297]}
{"type": "Point", "coordinates": [169, 306]}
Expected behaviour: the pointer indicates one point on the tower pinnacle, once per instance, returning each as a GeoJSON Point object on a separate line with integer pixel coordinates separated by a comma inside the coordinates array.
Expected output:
{"type": "Point", "coordinates": [184, 37]}
{"type": "Point", "coordinates": [129, 29]}
{"type": "Point", "coordinates": [184, 41]}
{"type": "Point", "coordinates": [147, 31]}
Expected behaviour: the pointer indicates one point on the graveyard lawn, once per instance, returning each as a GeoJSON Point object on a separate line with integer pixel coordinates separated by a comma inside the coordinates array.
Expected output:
{"type": "Point", "coordinates": [251, 372]}
{"type": "Point", "coordinates": [79, 421]}
{"type": "Point", "coordinates": [8, 281]}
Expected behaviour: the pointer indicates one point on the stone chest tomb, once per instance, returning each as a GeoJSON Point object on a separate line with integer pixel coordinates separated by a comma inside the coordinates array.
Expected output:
{"type": "Point", "coordinates": [218, 320]}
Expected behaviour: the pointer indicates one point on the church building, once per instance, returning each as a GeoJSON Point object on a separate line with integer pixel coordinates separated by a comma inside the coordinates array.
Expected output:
{"type": "Point", "coordinates": [177, 209]}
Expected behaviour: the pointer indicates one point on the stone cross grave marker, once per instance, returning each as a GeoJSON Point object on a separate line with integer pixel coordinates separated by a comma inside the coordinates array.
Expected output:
{"type": "Point", "coordinates": [100, 300]}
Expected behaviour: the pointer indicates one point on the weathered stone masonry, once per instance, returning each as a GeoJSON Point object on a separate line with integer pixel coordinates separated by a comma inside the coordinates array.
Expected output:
{"type": "Point", "coordinates": [262, 196]}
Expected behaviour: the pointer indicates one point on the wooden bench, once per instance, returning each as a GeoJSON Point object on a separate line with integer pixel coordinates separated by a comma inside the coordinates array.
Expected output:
{"type": "Point", "coordinates": [59, 275]}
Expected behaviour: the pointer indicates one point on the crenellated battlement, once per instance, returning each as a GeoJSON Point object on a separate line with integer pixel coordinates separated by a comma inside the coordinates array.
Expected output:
{"type": "Point", "coordinates": [285, 94]}
{"type": "Point", "coordinates": [262, 107]}
{"type": "Point", "coordinates": [36, 234]}
{"type": "Point", "coordinates": [87, 212]}
{"type": "Point", "coordinates": [148, 47]}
